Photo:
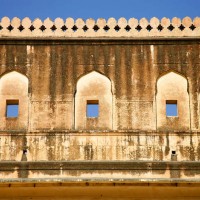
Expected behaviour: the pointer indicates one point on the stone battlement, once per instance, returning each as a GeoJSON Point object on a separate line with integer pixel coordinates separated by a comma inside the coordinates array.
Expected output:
{"type": "Point", "coordinates": [111, 29]}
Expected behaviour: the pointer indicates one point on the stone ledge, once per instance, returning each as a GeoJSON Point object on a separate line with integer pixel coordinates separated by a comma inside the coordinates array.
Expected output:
{"type": "Point", "coordinates": [43, 132]}
{"type": "Point", "coordinates": [119, 171]}
{"type": "Point", "coordinates": [100, 165]}
{"type": "Point", "coordinates": [44, 182]}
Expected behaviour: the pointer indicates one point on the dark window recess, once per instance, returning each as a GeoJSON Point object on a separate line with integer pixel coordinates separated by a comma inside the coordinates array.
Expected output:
{"type": "Point", "coordinates": [170, 27]}
{"type": "Point", "coordinates": [12, 108]}
{"type": "Point", "coordinates": [24, 151]}
{"type": "Point", "coordinates": [138, 28]}
{"type": "Point", "coordinates": [92, 108]}
{"type": "Point", "coordinates": [96, 28]}
{"type": "Point", "coordinates": [117, 28]}
{"type": "Point", "coordinates": [171, 108]}
{"type": "Point", "coordinates": [42, 28]}
{"type": "Point", "coordinates": [10, 27]}
{"type": "Point", "coordinates": [192, 27]}
{"type": "Point", "coordinates": [53, 28]}
{"type": "Point", "coordinates": [21, 28]}
{"type": "Point", "coordinates": [160, 27]}
{"type": "Point", "coordinates": [74, 28]}
{"type": "Point", "coordinates": [64, 28]}
{"type": "Point", "coordinates": [173, 152]}
{"type": "Point", "coordinates": [181, 27]}
{"type": "Point", "coordinates": [106, 28]}
{"type": "Point", "coordinates": [85, 28]}
{"type": "Point", "coordinates": [127, 28]}
{"type": "Point", "coordinates": [149, 28]}
{"type": "Point", "coordinates": [32, 28]}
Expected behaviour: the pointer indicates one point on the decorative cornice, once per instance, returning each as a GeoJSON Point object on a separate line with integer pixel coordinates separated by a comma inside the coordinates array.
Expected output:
{"type": "Point", "coordinates": [110, 29]}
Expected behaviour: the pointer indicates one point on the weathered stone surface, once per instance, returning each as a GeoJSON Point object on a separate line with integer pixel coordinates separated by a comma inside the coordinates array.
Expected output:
{"type": "Point", "coordinates": [54, 76]}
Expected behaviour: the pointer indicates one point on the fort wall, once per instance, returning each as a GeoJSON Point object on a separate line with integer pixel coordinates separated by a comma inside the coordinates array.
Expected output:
{"type": "Point", "coordinates": [131, 69]}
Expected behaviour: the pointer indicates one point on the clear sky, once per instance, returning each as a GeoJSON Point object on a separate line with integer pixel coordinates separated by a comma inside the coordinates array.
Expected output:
{"type": "Point", "coordinates": [99, 8]}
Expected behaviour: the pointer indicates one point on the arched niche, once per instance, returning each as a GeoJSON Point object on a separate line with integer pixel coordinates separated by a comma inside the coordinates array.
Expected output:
{"type": "Point", "coordinates": [93, 88]}
{"type": "Point", "coordinates": [13, 92]}
{"type": "Point", "coordinates": [172, 101]}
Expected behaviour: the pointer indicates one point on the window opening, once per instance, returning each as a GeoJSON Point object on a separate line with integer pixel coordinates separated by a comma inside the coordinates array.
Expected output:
{"type": "Point", "coordinates": [92, 108]}
{"type": "Point", "coordinates": [24, 151]}
{"type": "Point", "coordinates": [171, 108]}
{"type": "Point", "coordinates": [12, 108]}
{"type": "Point", "coordinates": [173, 152]}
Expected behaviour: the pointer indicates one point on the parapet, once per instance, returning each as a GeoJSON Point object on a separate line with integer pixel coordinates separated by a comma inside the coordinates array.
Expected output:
{"type": "Point", "coordinates": [100, 29]}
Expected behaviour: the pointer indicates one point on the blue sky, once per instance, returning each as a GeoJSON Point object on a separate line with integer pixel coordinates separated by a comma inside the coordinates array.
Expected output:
{"type": "Point", "coordinates": [99, 8]}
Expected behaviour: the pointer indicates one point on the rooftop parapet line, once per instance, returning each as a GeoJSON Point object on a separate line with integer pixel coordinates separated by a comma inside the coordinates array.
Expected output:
{"type": "Point", "coordinates": [112, 28]}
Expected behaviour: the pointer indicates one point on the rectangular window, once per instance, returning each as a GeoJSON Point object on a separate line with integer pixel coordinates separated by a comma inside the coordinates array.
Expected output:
{"type": "Point", "coordinates": [92, 108]}
{"type": "Point", "coordinates": [171, 108]}
{"type": "Point", "coordinates": [12, 108]}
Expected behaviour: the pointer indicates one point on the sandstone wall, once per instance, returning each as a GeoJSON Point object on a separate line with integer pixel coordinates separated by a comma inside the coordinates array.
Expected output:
{"type": "Point", "coordinates": [133, 68]}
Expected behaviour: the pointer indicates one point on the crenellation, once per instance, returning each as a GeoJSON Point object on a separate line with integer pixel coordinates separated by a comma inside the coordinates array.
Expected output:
{"type": "Point", "coordinates": [100, 28]}
{"type": "Point", "coordinates": [48, 23]}
{"type": "Point", "coordinates": [187, 22]}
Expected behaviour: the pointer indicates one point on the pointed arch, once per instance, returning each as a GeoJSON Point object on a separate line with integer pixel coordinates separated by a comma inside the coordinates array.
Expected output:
{"type": "Point", "coordinates": [13, 91]}
{"type": "Point", "coordinates": [11, 80]}
{"type": "Point", "coordinates": [93, 87]}
{"type": "Point", "coordinates": [170, 73]}
{"type": "Point", "coordinates": [98, 73]}
{"type": "Point", "coordinates": [172, 88]}
{"type": "Point", "coordinates": [11, 71]}
{"type": "Point", "coordinates": [94, 77]}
